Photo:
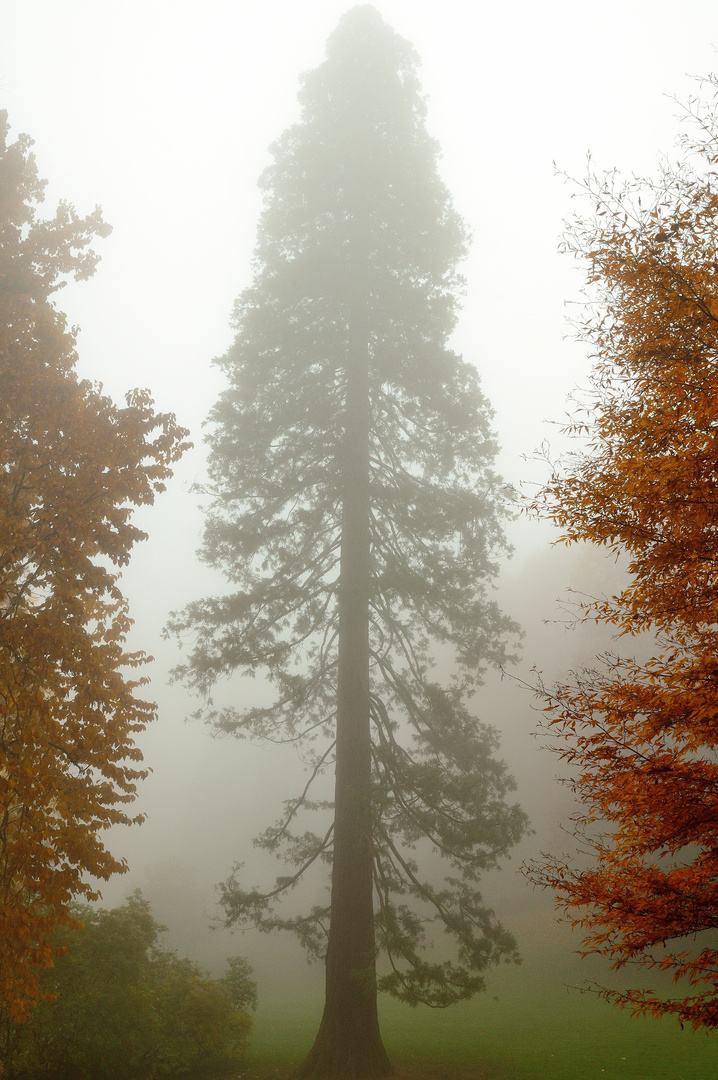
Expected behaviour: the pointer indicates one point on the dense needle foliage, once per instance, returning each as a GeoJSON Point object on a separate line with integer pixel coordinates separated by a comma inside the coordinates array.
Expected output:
{"type": "Point", "coordinates": [357, 253]}
{"type": "Point", "coordinates": [641, 736]}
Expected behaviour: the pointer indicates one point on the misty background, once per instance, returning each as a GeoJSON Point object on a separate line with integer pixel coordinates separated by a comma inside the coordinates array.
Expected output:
{"type": "Point", "coordinates": [162, 112]}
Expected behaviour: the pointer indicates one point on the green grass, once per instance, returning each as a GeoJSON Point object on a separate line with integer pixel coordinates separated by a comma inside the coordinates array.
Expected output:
{"type": "Point", "coordinates": [540, 1030]}
{"type": "Point", "coordinates": [530, 1025]}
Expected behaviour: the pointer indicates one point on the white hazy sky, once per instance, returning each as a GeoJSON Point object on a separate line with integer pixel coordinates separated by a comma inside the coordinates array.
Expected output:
{"type": "Point", "coordinates": [161, 111]}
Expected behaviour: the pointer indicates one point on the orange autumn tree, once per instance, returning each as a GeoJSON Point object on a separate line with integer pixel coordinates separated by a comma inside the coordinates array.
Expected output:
{"type": "Point", "coordinates": [640, 736]}
{"type": "Point", "coordinates": [72, 466]}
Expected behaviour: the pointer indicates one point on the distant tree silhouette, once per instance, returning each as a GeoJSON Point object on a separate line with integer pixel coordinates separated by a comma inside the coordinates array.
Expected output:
{"type": "Point", "coordinates": [357, 514]}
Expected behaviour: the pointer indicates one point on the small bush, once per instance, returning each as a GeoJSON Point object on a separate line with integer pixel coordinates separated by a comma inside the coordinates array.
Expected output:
{"type": "Point", "coordinates": [127, 1009]}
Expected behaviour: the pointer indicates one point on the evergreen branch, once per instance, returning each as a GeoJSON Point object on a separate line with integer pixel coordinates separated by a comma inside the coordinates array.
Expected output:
{"type": "Point", "coordinates": [239, 903]}
{"type": "Point", "coordinates": [296, 804]}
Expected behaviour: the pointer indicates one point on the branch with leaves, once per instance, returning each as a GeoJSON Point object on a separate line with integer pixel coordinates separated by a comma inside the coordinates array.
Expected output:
{"type": "Point", "coordinates": [72, 467]}
{"type": "Point", "coordinates": [640, 736]}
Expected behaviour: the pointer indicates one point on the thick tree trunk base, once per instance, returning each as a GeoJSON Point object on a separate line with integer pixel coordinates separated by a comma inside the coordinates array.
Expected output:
{"type": "Point", "coordinates": [346, 1049]}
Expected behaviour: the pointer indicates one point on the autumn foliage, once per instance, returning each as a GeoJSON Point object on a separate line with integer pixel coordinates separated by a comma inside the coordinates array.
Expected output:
{"type": "Point", "coordinates": [72, 466]}
{"type": "Point", "coordinates": [641, 735]}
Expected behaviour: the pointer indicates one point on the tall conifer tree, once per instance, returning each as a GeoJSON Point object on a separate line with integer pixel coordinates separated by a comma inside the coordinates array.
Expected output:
{"type": "Point", "coordinates": [357, 514]}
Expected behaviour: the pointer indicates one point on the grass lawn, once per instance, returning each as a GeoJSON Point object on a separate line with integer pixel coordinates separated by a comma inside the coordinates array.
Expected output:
{"type": "Point", "coordinates": [530, 1025]}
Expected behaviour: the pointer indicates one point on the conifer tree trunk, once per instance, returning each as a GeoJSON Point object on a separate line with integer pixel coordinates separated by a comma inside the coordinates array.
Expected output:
{"type": "Point", "coordinates": [348, 1043]}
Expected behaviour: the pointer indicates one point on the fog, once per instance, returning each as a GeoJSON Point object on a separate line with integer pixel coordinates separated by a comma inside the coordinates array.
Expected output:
{"type": "Point", "coordinates": [162, 113]}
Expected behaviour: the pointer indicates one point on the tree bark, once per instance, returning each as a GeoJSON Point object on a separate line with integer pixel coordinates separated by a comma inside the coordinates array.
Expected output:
{"type": "Point", "coordinates": [348, 1045]}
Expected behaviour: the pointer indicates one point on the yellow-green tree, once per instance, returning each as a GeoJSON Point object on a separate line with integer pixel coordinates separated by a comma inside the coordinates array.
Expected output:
{"type": "Point", "coordinates": [124, 1007]}
{"type": "Point", "coordinates": [72, 466]}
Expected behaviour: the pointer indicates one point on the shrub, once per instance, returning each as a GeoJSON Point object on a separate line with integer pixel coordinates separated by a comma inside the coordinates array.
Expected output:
{"type": "Point", "coordinates": [125, 1008]}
